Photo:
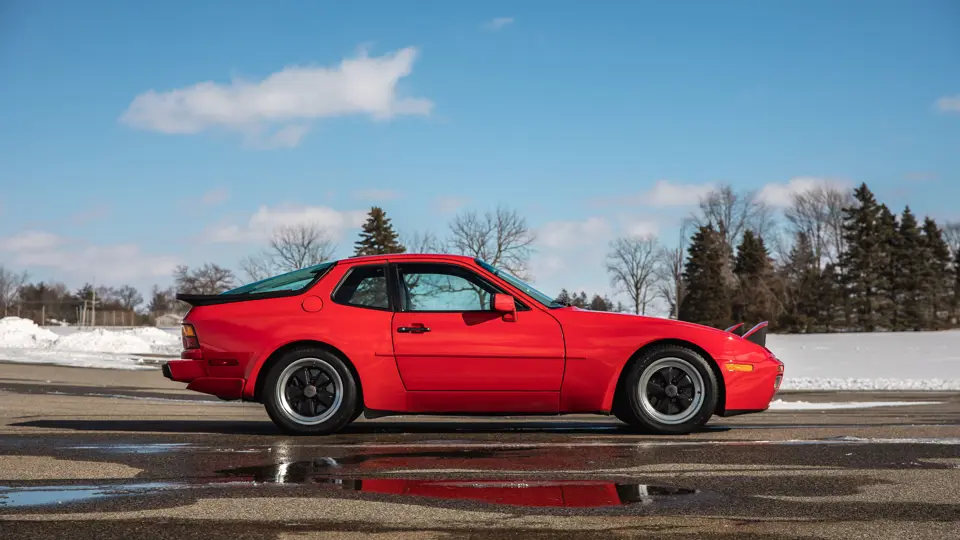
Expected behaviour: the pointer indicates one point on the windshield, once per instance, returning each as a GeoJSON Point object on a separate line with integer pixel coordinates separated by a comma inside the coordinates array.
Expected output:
{"type": "Point", "coordinates": [520, 284]}
{"type": "Point", "coordinates": [291, 281]}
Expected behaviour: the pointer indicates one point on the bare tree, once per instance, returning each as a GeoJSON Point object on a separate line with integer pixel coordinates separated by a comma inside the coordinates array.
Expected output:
{"type": "Point", "coordinates": [951, 233]}
{"type": "Point", "coordinates": [631, 263]}
{"type": "Point", "coordinates": [501, 238]}
{"type": "Point", "coordinates": [10, 284]}
{"type": "Point", "coordinates": [129, 297]}
{"type": "Point", "coordinates": [669, 273]}
{"type": "Point", "coordinates": [291, 248]}
{"type": "Point", "coordinates": [818, 213]}
{"type": "Point", "coordinates": [208, 279]}
{"type": "Point", "coordinates": [731, 213]}
{"type": "Point", "coordinates": [425, 242]}
{"type": "Point", "coordinates": [300, 246]}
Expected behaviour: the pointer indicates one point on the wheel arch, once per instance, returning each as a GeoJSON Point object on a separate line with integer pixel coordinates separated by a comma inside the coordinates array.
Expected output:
{"type": "Point", "coordinates": [635, 357]}
{"type": "Point", "coordinates": [302, 344]}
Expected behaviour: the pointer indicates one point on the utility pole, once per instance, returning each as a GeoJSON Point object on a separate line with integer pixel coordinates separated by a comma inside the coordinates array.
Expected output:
{"type": "Point", "coordinates": [93, 291]}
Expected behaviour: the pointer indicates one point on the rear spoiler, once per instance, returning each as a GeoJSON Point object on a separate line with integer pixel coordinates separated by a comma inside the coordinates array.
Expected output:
{"type": "Point", "coordinates": [757, 334]}
{"type": "Point", "coordinates": [212, 299]}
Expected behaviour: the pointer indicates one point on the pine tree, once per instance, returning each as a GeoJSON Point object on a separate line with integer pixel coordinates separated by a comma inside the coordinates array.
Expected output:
{"type": "Point", "coordinates": [935, 279]}
{"type": "Point", "coordinates": [378, 236]}
{"type": "Point", "coordinates": [803, 288]}
{"type": "Point", "coordinates": [601, 303]}
{"type": "Point", "coordinates": [707, 300]}
{"type": "Point", "coordinates": [861, 262]}
{"type": "Point", "coordinates": [754, 300]}
{"type": "Point", "coordinates": [887, 314]}
{"type": "Point", "coordinates": [906, 263]}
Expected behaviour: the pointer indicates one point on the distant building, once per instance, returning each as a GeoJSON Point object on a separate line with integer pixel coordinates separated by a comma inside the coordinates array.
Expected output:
{"type": "Point", "coordinates": [169, 320]}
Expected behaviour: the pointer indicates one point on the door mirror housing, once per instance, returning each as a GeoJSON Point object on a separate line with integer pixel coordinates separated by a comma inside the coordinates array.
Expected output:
{"type": "Point", "coordinates": [505, 304]}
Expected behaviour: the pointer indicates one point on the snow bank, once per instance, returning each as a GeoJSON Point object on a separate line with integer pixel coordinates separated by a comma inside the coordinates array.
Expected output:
{"type": "Point", "coordinates": [781, 405]}
{"type": "Point", "coordinates": [874, 361]}
{"type": "Point", "coordinates": [21, 340]}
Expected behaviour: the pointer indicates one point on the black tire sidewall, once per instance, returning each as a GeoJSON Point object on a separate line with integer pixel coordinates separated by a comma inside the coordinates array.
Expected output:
{"type": "Point", "coordinates": [640, 417]}
{"type": "Point", "coordinates": [342, 417]}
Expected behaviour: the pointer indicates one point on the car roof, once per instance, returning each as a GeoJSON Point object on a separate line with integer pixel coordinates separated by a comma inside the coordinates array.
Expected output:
{"type": "Point", "coordinates": [410, 257]}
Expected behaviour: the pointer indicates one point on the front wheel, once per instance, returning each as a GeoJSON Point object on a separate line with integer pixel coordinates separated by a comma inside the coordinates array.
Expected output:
{"type": "Point", "coordinates": [310, 392]}
{"type": "Point", "coordinates": [670, 390]}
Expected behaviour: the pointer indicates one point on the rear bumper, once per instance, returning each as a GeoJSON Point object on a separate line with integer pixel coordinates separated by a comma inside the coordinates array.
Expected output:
{"type": "Point", "coordinates": [194, 372]}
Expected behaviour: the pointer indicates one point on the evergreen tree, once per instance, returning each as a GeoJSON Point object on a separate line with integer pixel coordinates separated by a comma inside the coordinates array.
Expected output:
{"type": "Point", "coordinates": [862, 260]}
{"type": "Point", "coordinates": [378, 236]}
{"type": "Point", "coordinates": [803, 286]}
{"type": "Point", "coordinates": [906, 264]}
{"type": "Point", "coordinates": [754, 299]}
{"type": "Point", "coordinates": [935, 282]}
{"type": "Point", "coordinates": [599, 303]}
{"type": "Point", "coordinates": [831, 298]}
{"type": "Point", "coordinates": [708, 298]}
{"type": "Point", "coordinates": [955, 308]}
{"type": "Point", "coordinates": [888, 314]}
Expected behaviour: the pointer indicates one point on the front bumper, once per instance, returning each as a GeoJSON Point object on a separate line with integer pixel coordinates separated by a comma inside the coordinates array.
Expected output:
{"type": "Point", "coordinates": [194, 373]}
{"type": "Point", "coordinates": [752, 391]}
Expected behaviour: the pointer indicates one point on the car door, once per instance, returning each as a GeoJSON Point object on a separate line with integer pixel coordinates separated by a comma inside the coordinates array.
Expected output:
{"type": "Point", "coordinates": [446, 337]}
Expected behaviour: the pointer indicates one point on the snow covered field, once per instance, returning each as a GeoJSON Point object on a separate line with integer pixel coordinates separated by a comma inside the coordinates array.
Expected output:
{"type": "Point", "coordinates": [881, 361]}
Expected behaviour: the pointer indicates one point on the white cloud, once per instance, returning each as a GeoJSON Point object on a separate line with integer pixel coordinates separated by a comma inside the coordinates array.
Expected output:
{"type": "Point", "coordinates": [376, 195]}
{"type": "Point", "coordinates": [215, 196]}
{"type": "Point", "coordinates": [117, 262]}
{"type": "Point", "coordinates": [949, 104]}
{"type": "Point", "coordinates": [360, 85]}
{"type": "Point", "coordinates": [448, 204]}
{"type": "Point", "coordinates": [498, 23]}
{"type": "Point", "coordinates": [781, 195]}
{"type": "Point", "coordinates": [29, 241]}
{"type": "Point", "coordinates": [266, 220]}
{"type": "Point", "coordinates": [558, 234]}
{"type": "Point", "coordinates": [666, 193]}
{"type": "Point", "coordinates": [641, 228]}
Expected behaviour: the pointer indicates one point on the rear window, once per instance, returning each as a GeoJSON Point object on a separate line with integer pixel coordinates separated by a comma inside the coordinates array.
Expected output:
{"type": "Point", "coordinates": [291, 281]}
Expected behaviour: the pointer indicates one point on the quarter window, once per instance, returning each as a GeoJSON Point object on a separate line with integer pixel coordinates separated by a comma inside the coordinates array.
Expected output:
{"type": "Point", "coordinates": [364, 286]}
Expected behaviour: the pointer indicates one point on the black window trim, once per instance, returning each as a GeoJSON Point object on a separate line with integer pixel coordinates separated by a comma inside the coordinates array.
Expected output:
{"type": "Point", "coordinates": [346, 275]}
{"type": "Point", "coordinates": [397, 299]}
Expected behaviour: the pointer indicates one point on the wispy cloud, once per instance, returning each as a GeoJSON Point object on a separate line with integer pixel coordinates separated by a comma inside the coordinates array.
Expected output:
{"type": "Point", "coordinates": [273, 112]}
{"type": "Point", "coordinates": [267, 219]}
{"type": "Point", "coordinates": [93, 213]}
{"type": "Point", "coordinates": [781, 195]}
{"type": "Point", "coordinates": [117, 262]}
{"type": "Point", "coordinates": [215, 196]}
{"type": "Point", "coordinates": [664, 193]}
{"type": "Point", "coordinates": [498, 23]}
{"type": "Point", "coordinates": [589, 231]}
{"type": "Point", "coordinates": [949, 104]}
{"type": "Point", "coordinates": [376, 195]}
{"type": "Point", "coordinates": [449, 204]}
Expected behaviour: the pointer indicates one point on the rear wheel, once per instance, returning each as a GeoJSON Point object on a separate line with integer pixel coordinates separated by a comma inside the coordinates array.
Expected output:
{"type": "Point", "coordinates": [669, 390]}
{"type": "Point", "coordinates": [310, 392]}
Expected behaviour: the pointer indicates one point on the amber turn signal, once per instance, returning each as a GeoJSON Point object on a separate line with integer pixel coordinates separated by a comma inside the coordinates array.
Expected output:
{"type": "Point", "coordinates": [739, 367]}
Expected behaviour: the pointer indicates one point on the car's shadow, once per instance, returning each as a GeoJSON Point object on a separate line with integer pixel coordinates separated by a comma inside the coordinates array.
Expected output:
{"type": "Point", "coordinates": [248, 427]}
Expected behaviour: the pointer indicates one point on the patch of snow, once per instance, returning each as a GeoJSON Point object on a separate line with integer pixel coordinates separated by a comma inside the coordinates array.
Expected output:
{"type": "Point", "coordinates": [781, 405]}
{"type": "Point", "coordinates": [21, 340]}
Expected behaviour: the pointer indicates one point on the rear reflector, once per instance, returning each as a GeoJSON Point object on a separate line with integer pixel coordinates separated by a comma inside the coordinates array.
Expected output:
{"type": "Point", "coordinates": [223, 362]}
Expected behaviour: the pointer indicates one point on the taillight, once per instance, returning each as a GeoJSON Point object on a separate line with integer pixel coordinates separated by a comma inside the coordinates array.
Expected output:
{"type": "Point", "coordinates": [188, 335]}
{"type": "Point", "coordinates": [779, 379]}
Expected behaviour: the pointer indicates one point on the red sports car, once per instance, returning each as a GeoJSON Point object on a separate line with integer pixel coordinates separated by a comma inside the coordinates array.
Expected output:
{"type": "Point", "coordinates": [445, 334]}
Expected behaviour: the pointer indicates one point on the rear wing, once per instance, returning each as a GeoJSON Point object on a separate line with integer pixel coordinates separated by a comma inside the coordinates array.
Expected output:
{"type": "Point", "coordinates": [757, 334]}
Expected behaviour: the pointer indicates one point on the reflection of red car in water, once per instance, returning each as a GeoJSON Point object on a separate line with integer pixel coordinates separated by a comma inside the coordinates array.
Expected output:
{"type": "Point", "coordinates": [566, 493]}
{"type": "Point", "coordinates": [443, 334]}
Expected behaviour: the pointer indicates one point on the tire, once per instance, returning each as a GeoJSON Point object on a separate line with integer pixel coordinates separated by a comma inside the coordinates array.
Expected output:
{"type": "Point", "coordinates": [694, 391]}
{"type": "Point", "coordinates": [310, 391]}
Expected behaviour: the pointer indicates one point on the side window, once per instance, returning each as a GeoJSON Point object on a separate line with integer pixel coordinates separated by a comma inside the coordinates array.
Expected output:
{"type": "Point", "coordinates": [364, 286]}
{"type": "Point", "coordinates": [442, 287]}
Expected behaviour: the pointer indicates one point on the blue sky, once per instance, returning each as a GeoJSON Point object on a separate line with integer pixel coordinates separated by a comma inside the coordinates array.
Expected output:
{"type": "Point", "coordinates": [136, 136]}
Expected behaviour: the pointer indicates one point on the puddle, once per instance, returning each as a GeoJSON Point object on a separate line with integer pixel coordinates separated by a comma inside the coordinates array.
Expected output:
{"type": "Point", "coordinates": [46, 495]}
{"type": "Point", "coordinates": [559, 493]}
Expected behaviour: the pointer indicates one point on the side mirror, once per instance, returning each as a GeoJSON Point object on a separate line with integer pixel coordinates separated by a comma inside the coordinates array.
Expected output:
{"type": "Point", "coordinates": [504, 303]}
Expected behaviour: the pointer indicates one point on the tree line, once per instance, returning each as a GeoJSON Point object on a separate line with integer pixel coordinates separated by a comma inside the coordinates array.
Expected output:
{"type": "Point", "coordinates": [833, 260]}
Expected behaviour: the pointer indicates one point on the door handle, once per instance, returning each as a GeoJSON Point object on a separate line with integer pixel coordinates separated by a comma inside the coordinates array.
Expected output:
{"type": "Point", "coordinates": [412, 329]}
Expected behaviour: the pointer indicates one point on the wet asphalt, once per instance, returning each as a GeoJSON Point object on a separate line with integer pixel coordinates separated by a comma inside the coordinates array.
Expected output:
{"type": "Point", "coordinates": [117, 461]}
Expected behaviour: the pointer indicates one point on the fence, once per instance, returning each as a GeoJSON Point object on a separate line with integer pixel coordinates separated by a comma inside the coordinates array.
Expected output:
{"type": "Point", "coordinates": [75, 315]}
